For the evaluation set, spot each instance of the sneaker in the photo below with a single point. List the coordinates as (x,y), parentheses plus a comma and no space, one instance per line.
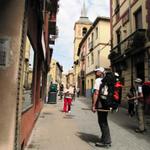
(104,145)
(69,111)
(100,141)
(140,131)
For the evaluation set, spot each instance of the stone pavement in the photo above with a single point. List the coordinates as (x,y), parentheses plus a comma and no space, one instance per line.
(79,130)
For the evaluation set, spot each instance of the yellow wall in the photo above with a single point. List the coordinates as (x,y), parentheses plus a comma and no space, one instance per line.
(126,30)
(77,39)
(52,72)
(55,73)
(70,78)
(100,49)
(88,80)
(129,27)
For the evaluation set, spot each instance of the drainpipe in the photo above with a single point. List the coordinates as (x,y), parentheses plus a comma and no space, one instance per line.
(130,16)
(130,20)
(131,71)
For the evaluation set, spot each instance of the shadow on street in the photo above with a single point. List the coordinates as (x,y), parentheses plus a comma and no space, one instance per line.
(88,138)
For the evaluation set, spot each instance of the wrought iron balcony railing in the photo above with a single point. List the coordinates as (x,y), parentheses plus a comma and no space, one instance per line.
(134,41)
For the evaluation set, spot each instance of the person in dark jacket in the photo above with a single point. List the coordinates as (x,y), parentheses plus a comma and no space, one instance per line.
(130,96)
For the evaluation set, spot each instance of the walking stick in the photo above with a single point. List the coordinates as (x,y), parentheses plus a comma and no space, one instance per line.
(99,109)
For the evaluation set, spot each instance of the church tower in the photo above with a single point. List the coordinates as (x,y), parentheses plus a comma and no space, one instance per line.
(80,29)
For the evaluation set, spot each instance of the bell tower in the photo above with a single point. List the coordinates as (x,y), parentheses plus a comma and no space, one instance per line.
(80,29)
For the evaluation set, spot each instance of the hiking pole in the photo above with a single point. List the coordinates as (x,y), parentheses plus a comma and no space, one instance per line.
(99,109)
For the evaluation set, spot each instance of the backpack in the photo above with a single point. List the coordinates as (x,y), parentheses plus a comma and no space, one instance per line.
(110,91)
(146,92)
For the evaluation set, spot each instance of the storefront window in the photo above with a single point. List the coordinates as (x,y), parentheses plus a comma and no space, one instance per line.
(28,75)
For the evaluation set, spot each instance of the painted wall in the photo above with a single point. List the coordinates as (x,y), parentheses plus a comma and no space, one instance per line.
(77,39)
(126,29)
(89,84)
(11,14)
(100,48)
(129,27)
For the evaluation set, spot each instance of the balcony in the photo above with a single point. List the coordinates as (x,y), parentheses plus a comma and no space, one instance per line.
(52,5)
(132,43)
(117,9)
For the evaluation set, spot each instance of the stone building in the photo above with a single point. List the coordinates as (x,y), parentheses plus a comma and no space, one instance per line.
(93,52)
(70,78)
(130,51)
(55,73)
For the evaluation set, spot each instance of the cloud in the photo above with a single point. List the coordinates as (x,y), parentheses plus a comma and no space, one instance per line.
(69,13)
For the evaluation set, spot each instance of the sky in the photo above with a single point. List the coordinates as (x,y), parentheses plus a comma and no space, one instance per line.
(70,12)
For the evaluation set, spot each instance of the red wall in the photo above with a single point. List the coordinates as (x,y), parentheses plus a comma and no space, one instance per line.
(28,120)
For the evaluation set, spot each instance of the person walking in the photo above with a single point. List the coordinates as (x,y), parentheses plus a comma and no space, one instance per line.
(61,89)
(74,92)
(140,106)
(68,94)
(78,91)
(105,140)
(130,98)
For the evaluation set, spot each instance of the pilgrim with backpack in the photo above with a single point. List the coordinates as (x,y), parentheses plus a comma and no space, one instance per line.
(110,92)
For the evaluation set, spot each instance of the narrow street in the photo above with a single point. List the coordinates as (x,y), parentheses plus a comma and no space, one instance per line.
(79,130)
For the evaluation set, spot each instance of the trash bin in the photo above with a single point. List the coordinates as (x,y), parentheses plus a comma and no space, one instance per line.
(52,97)
(53,88)
(52,94)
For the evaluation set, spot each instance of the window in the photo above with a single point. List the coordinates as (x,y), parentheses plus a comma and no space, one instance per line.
(28,75)
(117,10)
(96,33)
(92,37)
(89,43)
(117,3)
(84,30)
(92,58)
(125,18)
(92,83)
(138,19)
(118,34)
(88,61)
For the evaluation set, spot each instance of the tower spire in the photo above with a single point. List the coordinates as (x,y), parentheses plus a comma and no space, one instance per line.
(84,10)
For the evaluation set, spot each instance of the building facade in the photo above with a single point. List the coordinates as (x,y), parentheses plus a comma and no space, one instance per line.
(55,73)
(24,54)
(70,78)
(80,29)
(64,80)
(93,53)
(130,52)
